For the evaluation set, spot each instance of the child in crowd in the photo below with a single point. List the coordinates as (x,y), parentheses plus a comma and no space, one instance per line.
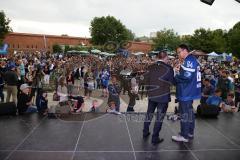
(112,108)
(42,103)
(229,104)
(24,103)
(216,99)
(78,103)
(95,107)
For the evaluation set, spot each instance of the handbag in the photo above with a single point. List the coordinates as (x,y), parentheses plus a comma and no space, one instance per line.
(56,97)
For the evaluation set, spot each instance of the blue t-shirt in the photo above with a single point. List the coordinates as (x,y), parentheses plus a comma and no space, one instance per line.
(214,100)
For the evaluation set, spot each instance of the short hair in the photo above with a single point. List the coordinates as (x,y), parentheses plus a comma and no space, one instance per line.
(206,79)
(184,46)
(218,91)
(162,54)
(231,95)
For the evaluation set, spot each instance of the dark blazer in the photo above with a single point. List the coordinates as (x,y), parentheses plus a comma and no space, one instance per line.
(158,78)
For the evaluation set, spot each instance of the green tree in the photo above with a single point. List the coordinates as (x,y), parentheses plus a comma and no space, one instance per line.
(219,40)
(234,39)
(4,26)
(106,29)
(166,39)
(202,40)
(57,48)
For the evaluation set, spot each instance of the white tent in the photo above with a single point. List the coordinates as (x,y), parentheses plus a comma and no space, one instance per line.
(95,51)
(138,53)
(213,54)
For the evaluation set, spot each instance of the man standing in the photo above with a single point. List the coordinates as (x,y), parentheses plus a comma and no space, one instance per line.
(159,78)
(11,79)
(114,91)
(188,82)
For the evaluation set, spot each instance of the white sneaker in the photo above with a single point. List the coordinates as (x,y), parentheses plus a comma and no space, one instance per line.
(190,135)
(179,139)
(113,111)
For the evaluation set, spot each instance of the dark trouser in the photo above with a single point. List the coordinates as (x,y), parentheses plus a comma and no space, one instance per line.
(1,94)
(187,118)
(161,112)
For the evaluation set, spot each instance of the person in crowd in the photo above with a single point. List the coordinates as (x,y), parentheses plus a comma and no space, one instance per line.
(114,91)
(207,91)
(78,103)
(105,76)
(24,103)
(112,108)
(159,78)
(37,83)
(188,88)
(224,84)
(229,104)
(46,72)
(42,103)
(70,82)
(216,99)
(95,106)
(11,79)
(133,94)
(1,88)
(29,76)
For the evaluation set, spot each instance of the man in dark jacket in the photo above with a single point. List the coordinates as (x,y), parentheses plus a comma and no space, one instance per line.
(159,78)
(11,79)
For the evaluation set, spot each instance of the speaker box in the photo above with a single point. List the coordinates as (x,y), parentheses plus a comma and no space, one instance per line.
(8,108)
(209,2)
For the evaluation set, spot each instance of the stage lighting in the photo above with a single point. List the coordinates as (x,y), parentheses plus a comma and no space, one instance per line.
(209,2)
(238,1)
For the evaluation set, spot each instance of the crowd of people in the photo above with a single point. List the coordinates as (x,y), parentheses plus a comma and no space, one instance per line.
(26,76)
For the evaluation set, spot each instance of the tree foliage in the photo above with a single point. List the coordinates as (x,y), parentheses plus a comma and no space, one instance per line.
(234,39)
(107,29)
(4,26)
(166,39)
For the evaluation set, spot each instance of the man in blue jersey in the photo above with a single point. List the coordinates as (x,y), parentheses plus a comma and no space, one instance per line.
(188,88)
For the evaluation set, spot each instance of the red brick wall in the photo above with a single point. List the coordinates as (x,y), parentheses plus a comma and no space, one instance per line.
(140,47)
(35,42)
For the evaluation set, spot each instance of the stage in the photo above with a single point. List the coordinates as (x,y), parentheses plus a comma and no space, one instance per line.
(110,137)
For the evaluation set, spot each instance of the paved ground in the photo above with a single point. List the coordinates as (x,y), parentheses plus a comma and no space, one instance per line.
(141,105)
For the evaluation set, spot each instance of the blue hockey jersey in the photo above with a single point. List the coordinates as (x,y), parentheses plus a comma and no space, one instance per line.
(188,81)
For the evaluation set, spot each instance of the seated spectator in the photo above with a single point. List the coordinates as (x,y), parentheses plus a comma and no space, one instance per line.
(42,103)
(215,100)
(208,90)
(112,108)
(95,106)
(229,104)
(78,104)
(24,103)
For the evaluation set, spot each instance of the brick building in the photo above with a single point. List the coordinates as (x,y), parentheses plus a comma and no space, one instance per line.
(30,43)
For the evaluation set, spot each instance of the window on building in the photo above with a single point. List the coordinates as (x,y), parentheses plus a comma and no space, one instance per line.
(13,46)
(32,46)
(36,46)
(18,45)
(27,46)
(9,45)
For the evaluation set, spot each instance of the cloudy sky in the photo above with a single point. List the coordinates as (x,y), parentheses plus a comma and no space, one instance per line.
(73,17)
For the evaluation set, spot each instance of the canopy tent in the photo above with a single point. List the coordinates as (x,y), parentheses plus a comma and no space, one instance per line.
(107,54)
(95,51)
(213,54)
(78,52)
(126,72)
(138,53)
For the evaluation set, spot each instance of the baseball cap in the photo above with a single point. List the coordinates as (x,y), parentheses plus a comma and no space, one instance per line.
(24,86)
